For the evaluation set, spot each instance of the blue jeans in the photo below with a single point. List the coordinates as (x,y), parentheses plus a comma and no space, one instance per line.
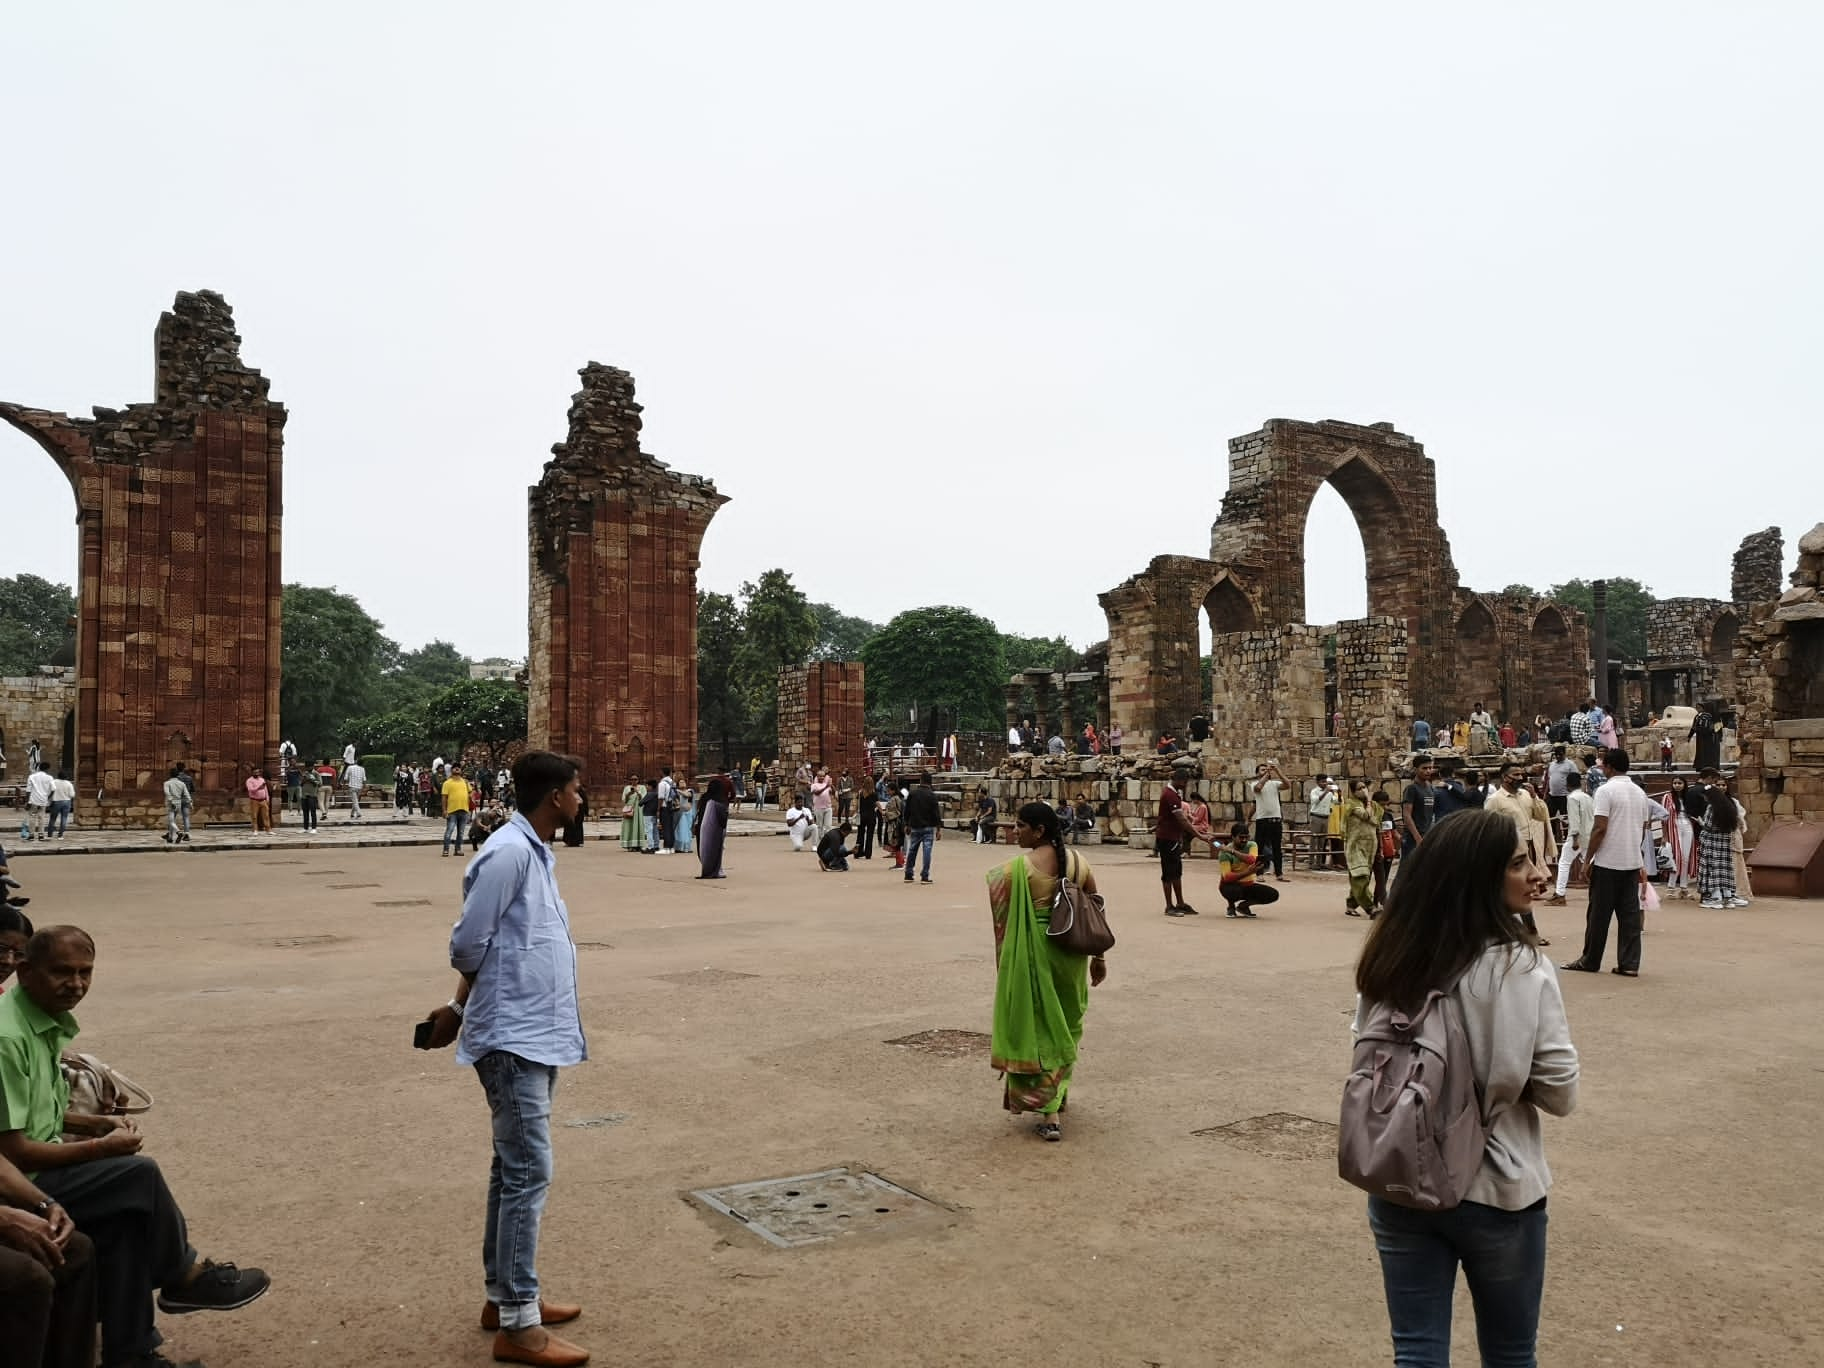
(519,1097)
(453,827)
(60,816)
(916,837)
(1503,1258)
(177,820)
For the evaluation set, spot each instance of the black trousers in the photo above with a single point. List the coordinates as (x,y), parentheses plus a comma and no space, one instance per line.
(1249,894)
(864,831)
(1613,893)
(141,1244)
(1270,836)
(47,1315)
(668,825)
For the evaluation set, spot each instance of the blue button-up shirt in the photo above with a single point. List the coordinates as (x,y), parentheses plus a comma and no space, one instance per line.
(514,937)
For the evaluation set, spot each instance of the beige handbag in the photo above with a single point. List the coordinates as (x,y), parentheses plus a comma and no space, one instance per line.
(98,1090)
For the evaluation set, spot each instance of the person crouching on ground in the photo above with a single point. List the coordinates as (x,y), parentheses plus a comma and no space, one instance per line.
(798,821)
(1453,924)
(1240,862)
(98,1179)
(516,1012)
(833,849)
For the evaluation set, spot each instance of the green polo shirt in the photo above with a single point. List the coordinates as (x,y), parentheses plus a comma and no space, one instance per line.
(33,1093)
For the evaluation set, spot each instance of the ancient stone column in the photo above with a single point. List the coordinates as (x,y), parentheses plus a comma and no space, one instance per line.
(612,672)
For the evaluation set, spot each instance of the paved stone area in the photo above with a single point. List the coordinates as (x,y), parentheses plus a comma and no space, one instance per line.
(738,1031)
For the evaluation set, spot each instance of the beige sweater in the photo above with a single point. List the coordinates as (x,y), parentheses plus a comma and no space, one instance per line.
(1513,1014)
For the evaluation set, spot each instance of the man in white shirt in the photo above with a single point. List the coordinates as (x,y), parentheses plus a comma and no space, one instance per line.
(797,825)
(348,755)
(1269,830)
(668,817)
(1322,799)
(1580,814)
(1013,739)
(38,789)
(1621,823)
(354,774)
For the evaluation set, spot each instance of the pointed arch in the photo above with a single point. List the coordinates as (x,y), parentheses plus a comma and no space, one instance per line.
(1558,678)
(1227,608)
(1478,674)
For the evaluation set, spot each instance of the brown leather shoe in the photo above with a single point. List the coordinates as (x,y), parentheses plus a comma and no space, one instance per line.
(553,1353)
(549,1313)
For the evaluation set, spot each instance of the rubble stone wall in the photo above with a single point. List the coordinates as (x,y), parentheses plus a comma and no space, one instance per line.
(32,707)
(822,716)
(615,536)
(178,507)
(1779,664)
(1759,562)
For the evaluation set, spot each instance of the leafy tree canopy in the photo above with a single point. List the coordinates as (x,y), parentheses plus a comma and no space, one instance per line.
(947,662)
(722,715)
(491,712)
(839,636)
(1628,602)
(1036,653)
(418,676)
(34,622)
(1520,591)
(778,628)
(330,667)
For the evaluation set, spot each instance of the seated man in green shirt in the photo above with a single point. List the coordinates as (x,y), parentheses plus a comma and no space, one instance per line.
(100,1179)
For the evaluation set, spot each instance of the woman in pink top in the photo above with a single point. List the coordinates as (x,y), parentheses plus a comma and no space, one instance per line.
(821,789)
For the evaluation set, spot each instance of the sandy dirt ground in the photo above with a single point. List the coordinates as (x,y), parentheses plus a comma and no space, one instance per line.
(267,997)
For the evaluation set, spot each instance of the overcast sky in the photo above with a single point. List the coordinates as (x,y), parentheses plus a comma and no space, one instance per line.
(958,302)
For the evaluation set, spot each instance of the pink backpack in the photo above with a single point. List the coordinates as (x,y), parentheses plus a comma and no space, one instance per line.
(1412,1130)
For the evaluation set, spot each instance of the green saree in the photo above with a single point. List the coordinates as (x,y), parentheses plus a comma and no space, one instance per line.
(1040,993)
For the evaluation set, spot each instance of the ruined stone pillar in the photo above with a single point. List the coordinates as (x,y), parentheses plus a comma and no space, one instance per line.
(612,672)
(178,616)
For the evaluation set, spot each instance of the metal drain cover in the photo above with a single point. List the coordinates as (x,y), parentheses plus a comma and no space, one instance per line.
(1279,1135)
(813,1207)
(947,1044)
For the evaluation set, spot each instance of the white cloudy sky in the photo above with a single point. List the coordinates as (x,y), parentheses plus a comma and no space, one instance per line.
(959,302)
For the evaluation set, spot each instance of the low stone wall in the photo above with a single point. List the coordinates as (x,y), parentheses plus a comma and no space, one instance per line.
(33,707)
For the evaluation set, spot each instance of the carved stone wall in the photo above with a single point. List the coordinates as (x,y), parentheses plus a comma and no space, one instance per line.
(178,508)
(615,534)
(822,716)
(1755,575)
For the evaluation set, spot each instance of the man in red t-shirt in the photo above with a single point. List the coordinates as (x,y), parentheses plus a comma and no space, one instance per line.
(1170,833)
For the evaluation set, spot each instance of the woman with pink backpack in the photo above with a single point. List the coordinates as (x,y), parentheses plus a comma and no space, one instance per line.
(1459,1016)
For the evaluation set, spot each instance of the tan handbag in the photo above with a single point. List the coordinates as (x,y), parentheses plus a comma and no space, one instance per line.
(1079,920)
(98,1090)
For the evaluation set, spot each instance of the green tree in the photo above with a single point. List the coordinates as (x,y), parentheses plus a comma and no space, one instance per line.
(721,710)
(839,636)
(489,712)
(778,628)
(1036,653)
(1520,591)
(946,662)
(402,734)
(330,667)
(1628,603)
(420,675)
(34,622)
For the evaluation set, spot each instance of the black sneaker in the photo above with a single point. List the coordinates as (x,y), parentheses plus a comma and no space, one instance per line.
(217,1287)
(1173,912)
(1185,909)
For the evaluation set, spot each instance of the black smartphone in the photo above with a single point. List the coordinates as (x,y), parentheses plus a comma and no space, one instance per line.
(421,1035)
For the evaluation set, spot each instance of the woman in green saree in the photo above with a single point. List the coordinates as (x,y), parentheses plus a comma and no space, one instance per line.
(633,793)
(1361,843)
(1041,993)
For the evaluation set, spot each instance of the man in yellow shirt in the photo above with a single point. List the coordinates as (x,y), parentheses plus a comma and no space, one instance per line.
(457,804)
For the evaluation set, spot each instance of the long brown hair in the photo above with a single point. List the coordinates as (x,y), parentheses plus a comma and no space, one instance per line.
(1445,909)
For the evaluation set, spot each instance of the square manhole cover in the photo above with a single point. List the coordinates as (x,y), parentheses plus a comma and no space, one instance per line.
(705,976)
(1279,1135)
(813,1207)
(947,1044)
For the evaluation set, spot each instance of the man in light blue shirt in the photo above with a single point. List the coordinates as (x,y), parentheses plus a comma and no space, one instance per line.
(516,1011)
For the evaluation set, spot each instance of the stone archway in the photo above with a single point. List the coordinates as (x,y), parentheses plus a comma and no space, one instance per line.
(178,507)
(1558,679)
(1719,653)
(1228,609)
(1477,677)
